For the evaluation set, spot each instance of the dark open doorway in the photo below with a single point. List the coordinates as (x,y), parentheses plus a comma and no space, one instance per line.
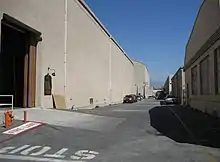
(18,62)
(13,50)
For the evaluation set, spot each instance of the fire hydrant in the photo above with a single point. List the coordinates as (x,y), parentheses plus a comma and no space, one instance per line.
(8,118)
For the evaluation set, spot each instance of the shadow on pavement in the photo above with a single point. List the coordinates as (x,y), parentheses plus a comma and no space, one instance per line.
(202,129)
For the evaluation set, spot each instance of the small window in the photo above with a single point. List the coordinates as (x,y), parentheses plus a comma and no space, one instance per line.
(217,70)
(205,87)
(194,80)
(47,85)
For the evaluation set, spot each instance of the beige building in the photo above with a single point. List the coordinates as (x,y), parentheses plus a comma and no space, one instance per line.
(178,86)
(154,91)
(151,91)
(64,38)
(202,60)
(168,85)
(141,79)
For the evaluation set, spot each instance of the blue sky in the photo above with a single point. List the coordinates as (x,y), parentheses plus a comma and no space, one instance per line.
(154,32)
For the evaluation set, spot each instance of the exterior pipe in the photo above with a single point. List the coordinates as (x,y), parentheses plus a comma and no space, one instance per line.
(65,44)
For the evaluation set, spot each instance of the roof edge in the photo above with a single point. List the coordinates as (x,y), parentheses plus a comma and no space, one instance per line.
(86,7)
(138,62)
(180,68)
(192,30)
(141,63)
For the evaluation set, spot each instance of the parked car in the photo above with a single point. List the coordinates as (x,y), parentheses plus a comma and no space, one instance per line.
(130,99)
(139,98)
(135,97)
(151,97)
(142,97)
(169,99)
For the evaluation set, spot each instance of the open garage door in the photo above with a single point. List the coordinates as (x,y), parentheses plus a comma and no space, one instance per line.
(18,62)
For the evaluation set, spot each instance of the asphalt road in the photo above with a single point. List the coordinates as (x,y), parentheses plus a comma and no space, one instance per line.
(130,137)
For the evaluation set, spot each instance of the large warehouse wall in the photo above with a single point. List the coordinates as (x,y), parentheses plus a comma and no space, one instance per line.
(122,74)
(141,75)
(178,85)
(49,21)
(87,58)
(148,83)
(201,29)
(168,85)
(202,81)
(96,66)
(87,61)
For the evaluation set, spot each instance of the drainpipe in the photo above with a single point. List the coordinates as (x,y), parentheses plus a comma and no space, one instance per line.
(65,44)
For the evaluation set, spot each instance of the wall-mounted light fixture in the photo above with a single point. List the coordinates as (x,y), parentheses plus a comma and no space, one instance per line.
(51,71)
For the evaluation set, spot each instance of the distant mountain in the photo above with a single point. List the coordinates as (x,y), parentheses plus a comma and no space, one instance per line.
(157,84)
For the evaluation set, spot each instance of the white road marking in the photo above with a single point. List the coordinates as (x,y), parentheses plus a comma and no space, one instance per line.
(42,151)
(6,149)
(58,154)
(27,151)
(19,149)
(29,158)
(86,154)
(93,152)
(75,157)
(22,128)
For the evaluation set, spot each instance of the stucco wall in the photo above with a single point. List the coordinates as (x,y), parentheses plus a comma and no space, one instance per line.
(50,23)
(204,102)
(87,58)
(148,83)
(178,85)
(206,24)
(168,84)
(183,88)
(122,74)
(174,86)
(95,66)
(141,75)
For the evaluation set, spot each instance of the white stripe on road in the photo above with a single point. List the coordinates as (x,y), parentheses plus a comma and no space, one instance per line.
(6,149)
(28,158)
(19,149)
(39,150)
(88,155)
(57,154)
(42,151)
(27,151)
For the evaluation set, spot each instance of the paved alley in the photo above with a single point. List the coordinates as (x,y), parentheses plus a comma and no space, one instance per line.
(114,133)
